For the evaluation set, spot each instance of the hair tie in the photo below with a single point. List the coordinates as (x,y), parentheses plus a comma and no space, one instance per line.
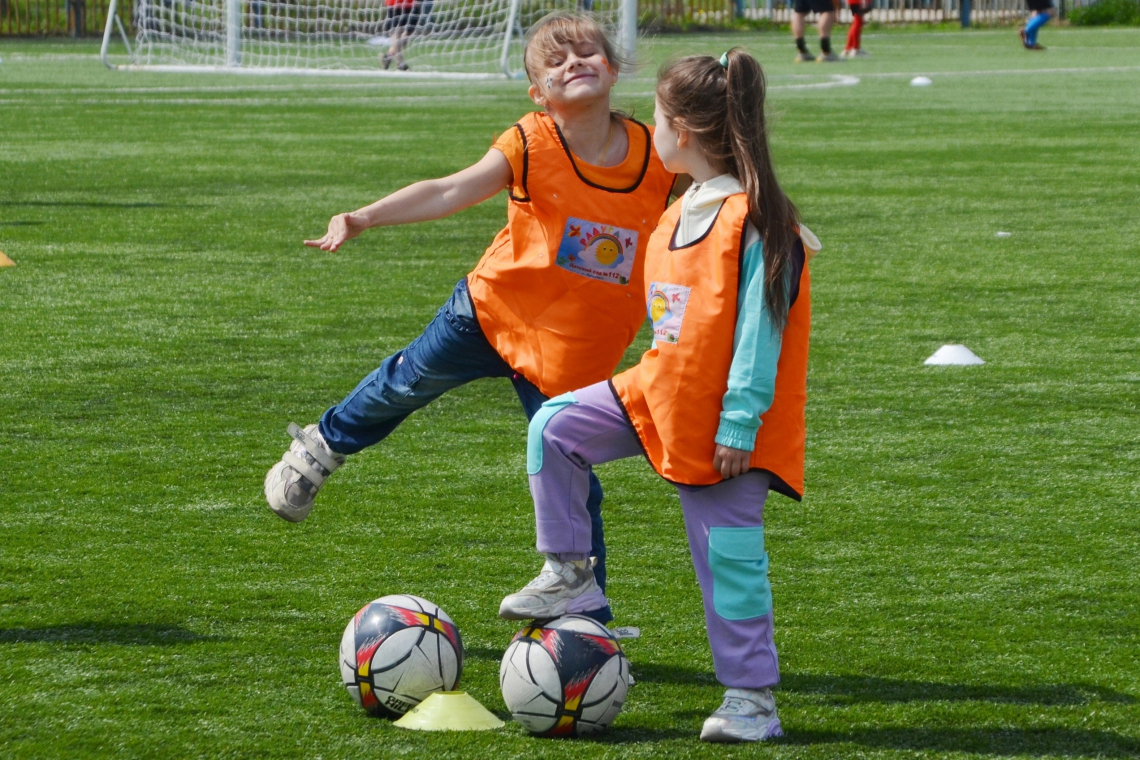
(724,60)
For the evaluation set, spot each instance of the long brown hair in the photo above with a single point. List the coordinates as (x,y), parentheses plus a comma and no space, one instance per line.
(723,108)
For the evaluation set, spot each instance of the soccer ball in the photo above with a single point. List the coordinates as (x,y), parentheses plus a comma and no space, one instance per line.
(565,677)
(396,651)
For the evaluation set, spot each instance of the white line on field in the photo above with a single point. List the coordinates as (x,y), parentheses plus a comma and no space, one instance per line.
(360,100)
(836,80)
(374,85)
(1004,72)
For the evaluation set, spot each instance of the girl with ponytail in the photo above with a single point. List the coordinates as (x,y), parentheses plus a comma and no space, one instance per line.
(717,403)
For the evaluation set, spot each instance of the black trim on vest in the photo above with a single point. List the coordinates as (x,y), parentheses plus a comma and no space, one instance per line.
(525,168)
(644,163)
(797,264)
(676,228)
(740,265)
(629,421)
(776,483)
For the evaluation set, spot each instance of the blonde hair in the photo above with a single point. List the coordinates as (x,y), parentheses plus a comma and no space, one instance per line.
(560,28)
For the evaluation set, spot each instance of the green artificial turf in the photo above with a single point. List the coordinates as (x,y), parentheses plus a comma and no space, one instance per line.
(960,580)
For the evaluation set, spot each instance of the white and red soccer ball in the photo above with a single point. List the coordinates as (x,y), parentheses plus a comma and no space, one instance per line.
(564,677)
(396,651)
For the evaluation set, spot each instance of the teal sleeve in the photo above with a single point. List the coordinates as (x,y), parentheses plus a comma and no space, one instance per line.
(755,352)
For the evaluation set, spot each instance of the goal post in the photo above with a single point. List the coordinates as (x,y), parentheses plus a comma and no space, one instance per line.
(441,38)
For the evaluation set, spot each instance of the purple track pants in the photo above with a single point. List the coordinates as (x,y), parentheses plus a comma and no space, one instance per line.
(724,522)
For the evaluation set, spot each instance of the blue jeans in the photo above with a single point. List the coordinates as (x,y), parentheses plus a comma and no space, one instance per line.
(451,351)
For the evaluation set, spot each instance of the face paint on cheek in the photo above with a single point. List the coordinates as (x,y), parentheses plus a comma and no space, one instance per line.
(549,82)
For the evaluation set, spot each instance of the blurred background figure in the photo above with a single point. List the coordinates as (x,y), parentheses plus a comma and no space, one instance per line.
(859,10)
(1043,10)
(826,10)
(399,24)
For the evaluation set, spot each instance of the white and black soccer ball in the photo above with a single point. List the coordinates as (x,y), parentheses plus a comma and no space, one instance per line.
(396,651)
(565,677)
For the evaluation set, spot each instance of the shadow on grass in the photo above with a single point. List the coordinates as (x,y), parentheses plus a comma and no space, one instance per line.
(636,735)
(1053,742)
(854,689)
(136,634)
(20,224)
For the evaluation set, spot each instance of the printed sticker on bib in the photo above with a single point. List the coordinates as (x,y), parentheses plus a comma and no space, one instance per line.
(598,251)
(666,306)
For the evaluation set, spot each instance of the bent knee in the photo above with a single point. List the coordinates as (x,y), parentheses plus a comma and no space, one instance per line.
(542,427)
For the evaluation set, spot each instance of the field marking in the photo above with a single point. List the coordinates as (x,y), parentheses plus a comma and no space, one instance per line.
(1001,72)
(26,96)
(837,80)
(230,88)
(405,99)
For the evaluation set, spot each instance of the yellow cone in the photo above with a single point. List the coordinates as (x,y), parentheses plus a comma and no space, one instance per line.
(5,261)
(449,711)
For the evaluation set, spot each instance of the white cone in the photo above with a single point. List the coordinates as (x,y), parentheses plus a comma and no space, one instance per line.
(921,82)
(955,354)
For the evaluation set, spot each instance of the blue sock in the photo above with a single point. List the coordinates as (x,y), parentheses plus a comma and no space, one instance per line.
(1035,23)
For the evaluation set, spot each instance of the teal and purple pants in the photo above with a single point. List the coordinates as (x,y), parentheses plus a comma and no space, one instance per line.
(725,526)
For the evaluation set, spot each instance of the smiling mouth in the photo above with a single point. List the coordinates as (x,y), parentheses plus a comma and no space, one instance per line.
(576,77)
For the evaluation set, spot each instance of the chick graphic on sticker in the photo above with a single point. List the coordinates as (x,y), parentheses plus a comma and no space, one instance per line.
(598,251)
(666,306)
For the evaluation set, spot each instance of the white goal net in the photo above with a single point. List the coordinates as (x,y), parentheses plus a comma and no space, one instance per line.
(464,37)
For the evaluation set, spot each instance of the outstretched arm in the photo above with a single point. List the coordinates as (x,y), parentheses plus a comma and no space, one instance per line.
(422,201)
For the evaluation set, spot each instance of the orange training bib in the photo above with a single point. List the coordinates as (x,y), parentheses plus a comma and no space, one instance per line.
(674,396)
(558,293)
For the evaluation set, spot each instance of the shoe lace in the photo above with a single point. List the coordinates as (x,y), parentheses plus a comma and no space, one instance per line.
(741,705)
(545,578)
(736,706)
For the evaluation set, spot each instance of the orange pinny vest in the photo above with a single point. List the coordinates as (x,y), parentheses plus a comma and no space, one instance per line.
(558,293)
(674,396)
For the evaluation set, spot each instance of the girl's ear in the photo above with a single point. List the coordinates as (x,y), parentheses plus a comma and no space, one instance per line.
(683,137)
(536,95)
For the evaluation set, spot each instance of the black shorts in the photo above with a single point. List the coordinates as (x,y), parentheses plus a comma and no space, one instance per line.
(401,17)
(1038,5)
(815,6)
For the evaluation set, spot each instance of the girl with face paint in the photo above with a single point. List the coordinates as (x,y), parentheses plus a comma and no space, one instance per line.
(556,298)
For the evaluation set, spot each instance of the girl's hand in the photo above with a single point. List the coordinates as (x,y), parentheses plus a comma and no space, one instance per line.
(342,227)
(730,462)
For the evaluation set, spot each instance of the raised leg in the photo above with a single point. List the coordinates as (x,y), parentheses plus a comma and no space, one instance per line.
(452,351)
(568,435)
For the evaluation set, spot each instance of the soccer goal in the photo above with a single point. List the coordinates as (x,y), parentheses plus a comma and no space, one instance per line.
(442,38)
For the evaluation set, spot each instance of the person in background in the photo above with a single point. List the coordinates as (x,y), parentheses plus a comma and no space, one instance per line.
(827,12)
(859,10)
(400,22)
(1043,10)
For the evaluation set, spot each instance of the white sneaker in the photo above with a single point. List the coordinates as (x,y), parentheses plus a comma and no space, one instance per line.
(560,589)
(292,484)
(856,53)
(746,715)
